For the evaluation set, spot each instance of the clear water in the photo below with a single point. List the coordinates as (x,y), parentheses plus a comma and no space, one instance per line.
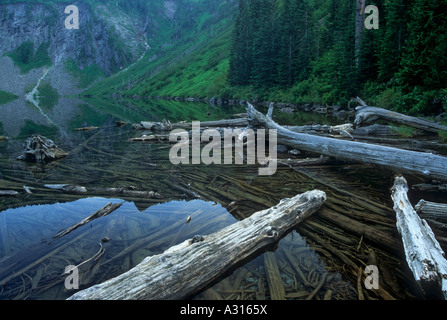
(32,262)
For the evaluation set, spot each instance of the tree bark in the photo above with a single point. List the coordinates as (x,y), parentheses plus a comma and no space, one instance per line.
(404,161)
(191,266)
(423,253)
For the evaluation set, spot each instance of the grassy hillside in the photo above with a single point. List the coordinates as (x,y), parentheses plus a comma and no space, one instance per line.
(191,61)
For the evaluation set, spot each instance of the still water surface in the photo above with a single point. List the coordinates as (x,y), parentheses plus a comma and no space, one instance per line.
(32,262)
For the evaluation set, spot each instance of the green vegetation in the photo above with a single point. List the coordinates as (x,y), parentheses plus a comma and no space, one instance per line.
(306,51)
(86,76)
(27,59)
(442,135)
(299,51)
(404,131)
(48,96)
(6,97)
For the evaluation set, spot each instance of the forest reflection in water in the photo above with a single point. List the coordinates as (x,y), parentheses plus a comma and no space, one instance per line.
(322,259)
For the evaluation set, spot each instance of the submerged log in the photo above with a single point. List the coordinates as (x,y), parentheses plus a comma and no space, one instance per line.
(42,150)
(367,114)
(424,255)
(187,268)
(432,210)
(106,210)
(420,163)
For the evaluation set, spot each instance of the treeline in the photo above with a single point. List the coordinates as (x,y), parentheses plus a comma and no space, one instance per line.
(320,51)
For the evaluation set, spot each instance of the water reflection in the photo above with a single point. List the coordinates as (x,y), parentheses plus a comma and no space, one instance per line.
(31,262)
(29,249)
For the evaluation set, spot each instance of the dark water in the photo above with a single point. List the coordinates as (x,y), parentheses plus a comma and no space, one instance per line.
(32,261)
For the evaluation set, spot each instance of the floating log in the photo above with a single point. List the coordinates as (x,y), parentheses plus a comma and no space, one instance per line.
(366,115)
(304,162)
(420,163)
(240,122)
(163,126)
(151,137)
(42,150)
(66,188)
(432,210)
(187,268)
(423,253)
(128,191)
(8,193)
(86,129)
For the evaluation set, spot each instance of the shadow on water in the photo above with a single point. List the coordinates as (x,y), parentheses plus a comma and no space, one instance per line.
(321,259)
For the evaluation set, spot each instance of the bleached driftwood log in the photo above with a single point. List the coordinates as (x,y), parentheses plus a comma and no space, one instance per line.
(189,267)
(42,150)
(432,210)
(425,164)
(423,253)
(366,115)
(240,122)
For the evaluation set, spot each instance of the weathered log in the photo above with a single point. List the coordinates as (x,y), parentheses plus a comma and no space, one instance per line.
(276,288)
(374,130)
(240,122)
(187,268)
(432,210)
(8,193)
(86,128)
(430,187)
(129,191)
(424,255)
(163,126)
(42,150)
(425,164)
(366,115)
(106,210)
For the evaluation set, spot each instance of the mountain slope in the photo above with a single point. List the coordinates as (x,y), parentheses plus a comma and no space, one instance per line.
(187,58)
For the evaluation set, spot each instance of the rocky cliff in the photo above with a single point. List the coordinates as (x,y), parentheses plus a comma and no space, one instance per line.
(106,37)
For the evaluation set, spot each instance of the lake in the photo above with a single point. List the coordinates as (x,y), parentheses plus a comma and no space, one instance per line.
(313,261)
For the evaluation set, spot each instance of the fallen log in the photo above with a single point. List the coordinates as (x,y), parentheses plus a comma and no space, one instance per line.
(424,255)
(187,268)
(240,122)
(395,159)
(432,210)
(127,191)
(430,187)
(106,210)
(8,193)
(164,126)
(367,115)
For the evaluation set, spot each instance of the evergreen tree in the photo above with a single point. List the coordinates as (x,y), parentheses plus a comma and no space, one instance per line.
(241,59)
(424,60)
